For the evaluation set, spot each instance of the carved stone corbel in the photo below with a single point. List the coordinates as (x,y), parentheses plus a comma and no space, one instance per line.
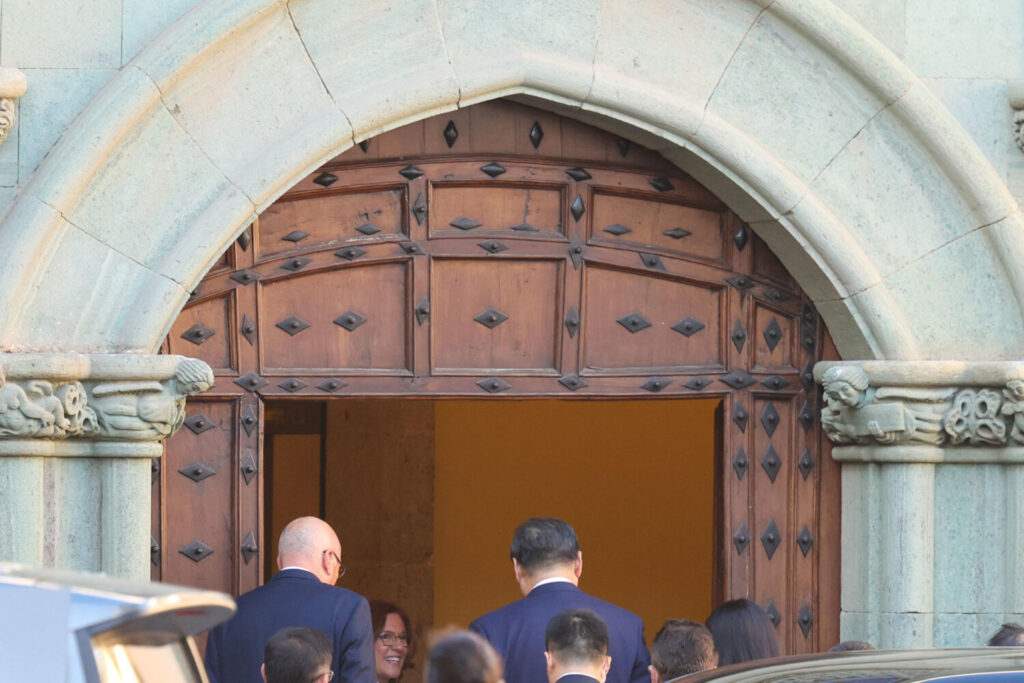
(928,411)
(12,86)
(94,405)
(1015,92)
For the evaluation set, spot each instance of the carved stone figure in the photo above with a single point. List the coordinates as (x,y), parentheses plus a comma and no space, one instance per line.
(1018,125)
(39,410)
(845,389)
(857,413)
(1013,406)
(7,117)
(145,410)
(975,418)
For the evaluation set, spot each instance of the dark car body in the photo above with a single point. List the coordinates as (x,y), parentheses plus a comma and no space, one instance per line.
(969,665)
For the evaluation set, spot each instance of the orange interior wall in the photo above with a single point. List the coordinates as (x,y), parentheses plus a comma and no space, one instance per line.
(294,488)
(635,478)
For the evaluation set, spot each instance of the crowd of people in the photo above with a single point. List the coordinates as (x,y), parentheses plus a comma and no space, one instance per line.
(300,628)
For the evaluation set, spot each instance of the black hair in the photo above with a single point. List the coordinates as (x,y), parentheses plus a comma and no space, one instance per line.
(295,655)
(541,542)
(463,657)
(1009,634)
(683,647)
(851,646)
(742,632)
(576,636)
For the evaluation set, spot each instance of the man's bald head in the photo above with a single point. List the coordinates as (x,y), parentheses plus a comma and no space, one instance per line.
(310,543)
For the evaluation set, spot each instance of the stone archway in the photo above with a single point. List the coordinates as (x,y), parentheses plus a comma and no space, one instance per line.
(880,205)
(805,125)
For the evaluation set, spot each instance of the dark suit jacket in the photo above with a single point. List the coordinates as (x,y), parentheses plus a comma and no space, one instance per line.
(517,632)
(294,597)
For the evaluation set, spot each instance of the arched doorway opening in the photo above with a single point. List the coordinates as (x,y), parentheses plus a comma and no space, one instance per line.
(505,252)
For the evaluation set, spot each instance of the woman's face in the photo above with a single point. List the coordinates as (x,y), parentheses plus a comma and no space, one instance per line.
(391,655)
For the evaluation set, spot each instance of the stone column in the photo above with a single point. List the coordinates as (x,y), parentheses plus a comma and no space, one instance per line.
(77,437)
(932,457)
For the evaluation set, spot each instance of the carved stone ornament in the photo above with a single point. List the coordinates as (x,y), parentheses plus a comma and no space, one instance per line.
(94,405)
(924,411)
(12,86)
(1015,93)
(1018,128)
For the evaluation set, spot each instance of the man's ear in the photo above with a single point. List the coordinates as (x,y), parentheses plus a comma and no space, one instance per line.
(325,566)
(604,667)
(655,676)
(577,565)
(517,569)
(550,660)
(263,672)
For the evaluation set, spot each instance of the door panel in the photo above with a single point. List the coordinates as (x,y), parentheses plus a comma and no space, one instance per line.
(636,323)
(499,210)
(204,331)
(774,339)
(351,318)
(199,538)
(491,316)
(650,224)
(502,251)
(369,215)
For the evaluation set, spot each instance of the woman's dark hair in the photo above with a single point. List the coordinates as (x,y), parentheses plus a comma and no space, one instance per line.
(379,611)
(742,632)
(463,657)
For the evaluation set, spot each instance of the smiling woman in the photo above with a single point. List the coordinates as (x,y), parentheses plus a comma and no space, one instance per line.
(394,645)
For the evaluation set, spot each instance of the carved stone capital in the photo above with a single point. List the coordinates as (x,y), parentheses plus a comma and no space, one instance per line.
(924,411)
(102,405)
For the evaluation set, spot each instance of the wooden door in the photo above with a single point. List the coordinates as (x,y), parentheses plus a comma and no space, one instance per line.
(502,251)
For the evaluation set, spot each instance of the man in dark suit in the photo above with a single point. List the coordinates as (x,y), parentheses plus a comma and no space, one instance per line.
(302,593)
(576,647)
(547,562)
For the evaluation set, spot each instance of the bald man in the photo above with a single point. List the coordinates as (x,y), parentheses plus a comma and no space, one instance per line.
(302,593)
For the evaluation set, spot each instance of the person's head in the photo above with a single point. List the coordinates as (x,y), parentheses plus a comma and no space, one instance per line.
(681,647)
(576,640)
(844,385)
(742,632)
(297,655)
(1008,635)
(543,547)
(463,657)
(393,645)
(851,646)
(311,543)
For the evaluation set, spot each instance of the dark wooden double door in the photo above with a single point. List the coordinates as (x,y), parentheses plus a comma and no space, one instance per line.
(502,251)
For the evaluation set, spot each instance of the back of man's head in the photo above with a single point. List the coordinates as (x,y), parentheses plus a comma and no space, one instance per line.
(1008,635)
(297,655)
(543,542)
(463,657)
(682,647)
(310,543)
(576,640)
